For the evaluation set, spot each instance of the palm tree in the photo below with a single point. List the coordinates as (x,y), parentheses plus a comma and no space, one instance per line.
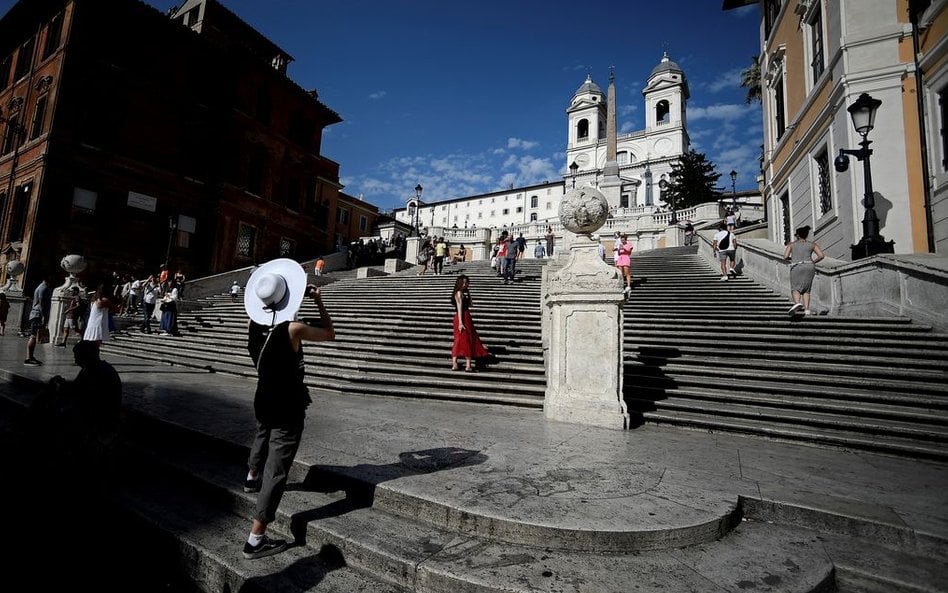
(750,79)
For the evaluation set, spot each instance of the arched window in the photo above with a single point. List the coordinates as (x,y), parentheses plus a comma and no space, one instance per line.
(582,129)
(662,112)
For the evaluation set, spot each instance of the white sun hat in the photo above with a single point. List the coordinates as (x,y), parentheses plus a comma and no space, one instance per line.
(275,291)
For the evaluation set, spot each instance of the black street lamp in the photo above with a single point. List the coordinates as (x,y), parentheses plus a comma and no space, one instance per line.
(172,227)
(863,114)
(733,190)
(664,185)
(414,210)
(572,170)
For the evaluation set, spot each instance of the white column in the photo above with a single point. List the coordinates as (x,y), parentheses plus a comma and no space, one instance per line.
(585,367)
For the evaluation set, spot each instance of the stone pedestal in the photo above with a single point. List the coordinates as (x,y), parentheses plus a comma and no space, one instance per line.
(584,370)
(412,245)
(673,236)
(61,297)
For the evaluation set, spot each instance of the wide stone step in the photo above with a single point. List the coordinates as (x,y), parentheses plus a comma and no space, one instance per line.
(925,410)
(808,369)
(796,353)
(811,435)
(934,433)
(685,371)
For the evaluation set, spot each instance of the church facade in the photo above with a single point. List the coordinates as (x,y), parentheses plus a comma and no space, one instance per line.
(626,168)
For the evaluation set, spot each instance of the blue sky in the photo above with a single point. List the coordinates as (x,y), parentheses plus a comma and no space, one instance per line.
(468,97)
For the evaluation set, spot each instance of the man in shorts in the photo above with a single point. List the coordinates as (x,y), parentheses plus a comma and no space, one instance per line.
(69,315)
(39,317)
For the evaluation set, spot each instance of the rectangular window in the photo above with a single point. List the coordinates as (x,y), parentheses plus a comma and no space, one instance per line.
(785,215)
(5,66)
(549,205)
(780,121)
(342,216)
(13,130)
(823,181)
(54,33)
(21,205)
(24,59)
(534,201)
(816,43)
(519,209)
(246,240)
(287,247)
(84,200)
(363,223)
(506,211)
(943,108)
(294,194)
(771,12)
(256,170)
(39,118)
(479,215)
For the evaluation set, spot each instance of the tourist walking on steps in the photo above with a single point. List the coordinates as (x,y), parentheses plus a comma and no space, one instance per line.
(802,255)
(624,261)
(39,317)
(467,344)
(275,339)
(97,328)
(550,236)
(70,314)
(724,248)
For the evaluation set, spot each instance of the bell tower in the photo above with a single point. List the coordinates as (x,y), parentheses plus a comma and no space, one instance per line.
(587,116)
(666,97)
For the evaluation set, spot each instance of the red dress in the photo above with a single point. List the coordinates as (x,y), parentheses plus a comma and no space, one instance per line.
(467,344)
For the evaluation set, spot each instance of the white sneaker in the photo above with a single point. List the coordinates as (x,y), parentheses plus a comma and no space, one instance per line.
(795,307)
(724,277)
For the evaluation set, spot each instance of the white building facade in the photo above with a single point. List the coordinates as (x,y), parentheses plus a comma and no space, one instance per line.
(644,157)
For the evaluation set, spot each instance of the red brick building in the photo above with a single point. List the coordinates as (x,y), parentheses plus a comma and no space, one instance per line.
(130,136)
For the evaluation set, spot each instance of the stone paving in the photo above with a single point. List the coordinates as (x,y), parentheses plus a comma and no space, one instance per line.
(529,480)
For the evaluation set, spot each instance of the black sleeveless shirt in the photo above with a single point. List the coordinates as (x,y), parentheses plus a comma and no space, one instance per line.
(281,397)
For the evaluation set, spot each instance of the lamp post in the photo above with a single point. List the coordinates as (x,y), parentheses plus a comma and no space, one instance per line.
(733,190)
(664,185)
(572,170)
(417,206)
(172,227)
(863,114)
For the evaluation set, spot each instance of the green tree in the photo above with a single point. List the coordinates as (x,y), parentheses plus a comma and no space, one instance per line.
(693,181)
(750,80)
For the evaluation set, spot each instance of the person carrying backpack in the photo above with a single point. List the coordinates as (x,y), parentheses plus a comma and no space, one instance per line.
(725,247)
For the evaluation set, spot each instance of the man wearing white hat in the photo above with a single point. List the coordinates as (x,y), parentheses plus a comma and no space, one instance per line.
(272,297)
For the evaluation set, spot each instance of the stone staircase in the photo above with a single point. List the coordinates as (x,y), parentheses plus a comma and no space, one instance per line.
(716,355)
(700,353)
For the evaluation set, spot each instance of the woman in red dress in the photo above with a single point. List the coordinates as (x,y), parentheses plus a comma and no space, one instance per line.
(467,344)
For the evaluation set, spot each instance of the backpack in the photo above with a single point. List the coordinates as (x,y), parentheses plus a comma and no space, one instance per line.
(724,243)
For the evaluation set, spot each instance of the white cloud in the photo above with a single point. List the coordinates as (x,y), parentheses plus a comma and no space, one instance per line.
(378,95)
(521,144)
(724,112)
(728,80)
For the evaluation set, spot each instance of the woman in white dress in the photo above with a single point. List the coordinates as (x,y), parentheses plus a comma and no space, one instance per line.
(97,328)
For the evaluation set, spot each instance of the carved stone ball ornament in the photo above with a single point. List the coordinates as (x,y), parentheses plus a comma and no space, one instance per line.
(15,268)
(73,264)
(583,210)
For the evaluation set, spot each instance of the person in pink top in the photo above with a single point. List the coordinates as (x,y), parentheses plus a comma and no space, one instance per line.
(623,261)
